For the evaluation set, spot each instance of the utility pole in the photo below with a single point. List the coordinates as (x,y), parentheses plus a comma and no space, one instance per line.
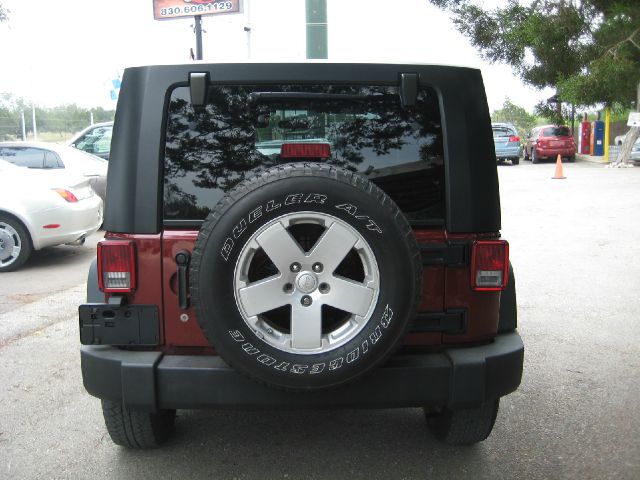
(24,127)
(247,28)
(317,38)
(198,30)
(33,118)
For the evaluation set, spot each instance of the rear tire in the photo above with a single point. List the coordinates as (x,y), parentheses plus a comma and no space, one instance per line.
(464,427)
(15,243)
(515,161)
(534,156)
(137,429)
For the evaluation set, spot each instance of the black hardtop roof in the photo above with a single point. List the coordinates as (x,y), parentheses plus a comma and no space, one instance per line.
(134,195)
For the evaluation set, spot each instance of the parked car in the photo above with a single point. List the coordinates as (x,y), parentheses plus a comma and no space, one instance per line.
(41,209)
(635,151)
(506,142)
(549,141)
(95,139)
(331,239)
(50,156)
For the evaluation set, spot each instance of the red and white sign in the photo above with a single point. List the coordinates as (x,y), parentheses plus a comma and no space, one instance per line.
(164,9)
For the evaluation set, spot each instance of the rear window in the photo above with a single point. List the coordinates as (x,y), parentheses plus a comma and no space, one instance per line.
(242,129)
(556,132)
(23,156)
(503,131)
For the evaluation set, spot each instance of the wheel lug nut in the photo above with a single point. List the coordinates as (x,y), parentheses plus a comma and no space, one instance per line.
(295,267)
(317,267)
(306,300)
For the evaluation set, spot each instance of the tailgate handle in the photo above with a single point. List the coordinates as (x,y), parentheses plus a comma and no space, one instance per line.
(182,260)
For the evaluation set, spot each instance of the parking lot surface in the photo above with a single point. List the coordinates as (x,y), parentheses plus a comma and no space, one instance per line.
(574,247)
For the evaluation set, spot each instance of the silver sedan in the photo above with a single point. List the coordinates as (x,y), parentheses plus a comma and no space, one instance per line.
(51,156)
(43,208)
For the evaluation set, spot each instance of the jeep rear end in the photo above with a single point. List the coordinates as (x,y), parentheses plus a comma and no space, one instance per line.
(301,235)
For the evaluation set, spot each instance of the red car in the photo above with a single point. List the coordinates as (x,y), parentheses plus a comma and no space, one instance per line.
(549,141)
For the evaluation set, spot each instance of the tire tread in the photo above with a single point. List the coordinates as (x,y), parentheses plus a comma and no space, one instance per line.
(137,429)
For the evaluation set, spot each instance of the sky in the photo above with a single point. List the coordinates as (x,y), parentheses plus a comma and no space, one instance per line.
(68,51)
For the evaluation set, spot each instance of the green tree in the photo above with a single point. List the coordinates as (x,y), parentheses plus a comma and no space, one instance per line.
(588,50)
(62,119)
(516,115)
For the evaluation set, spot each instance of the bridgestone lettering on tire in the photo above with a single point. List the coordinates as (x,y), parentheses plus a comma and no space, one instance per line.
(305,277)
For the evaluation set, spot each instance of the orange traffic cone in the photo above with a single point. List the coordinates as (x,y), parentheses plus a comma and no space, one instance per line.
(559,172)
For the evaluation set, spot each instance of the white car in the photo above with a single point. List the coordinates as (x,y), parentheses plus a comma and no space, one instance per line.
(51,156)
(95,139)
(619,140)
(40,208)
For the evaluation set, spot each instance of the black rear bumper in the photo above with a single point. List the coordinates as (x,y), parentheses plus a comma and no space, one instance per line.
(457,378)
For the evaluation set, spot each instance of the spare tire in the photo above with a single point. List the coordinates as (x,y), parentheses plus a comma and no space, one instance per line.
(305,277)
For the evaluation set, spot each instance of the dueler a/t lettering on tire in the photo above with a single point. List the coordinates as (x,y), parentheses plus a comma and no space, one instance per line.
(305,277)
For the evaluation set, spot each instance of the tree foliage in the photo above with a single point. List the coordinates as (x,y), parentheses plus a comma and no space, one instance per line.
(64,119)
(515,115)
(588,50)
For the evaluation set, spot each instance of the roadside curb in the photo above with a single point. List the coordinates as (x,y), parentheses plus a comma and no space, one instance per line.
(591,159)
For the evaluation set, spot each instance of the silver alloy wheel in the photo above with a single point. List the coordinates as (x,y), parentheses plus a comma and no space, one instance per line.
(10,244)
(305,282)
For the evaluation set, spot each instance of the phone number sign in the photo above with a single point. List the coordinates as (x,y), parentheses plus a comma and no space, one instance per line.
(163,9)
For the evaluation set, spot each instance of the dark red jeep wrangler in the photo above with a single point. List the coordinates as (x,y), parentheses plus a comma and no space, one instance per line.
(309,235)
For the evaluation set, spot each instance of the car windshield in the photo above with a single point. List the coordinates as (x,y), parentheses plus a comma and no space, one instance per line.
(556,132)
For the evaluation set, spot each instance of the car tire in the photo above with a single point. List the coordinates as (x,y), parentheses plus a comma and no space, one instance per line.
(466,426)
(571,158)
(305,277)
(137,429)
(15,243)
(534,156)
(515,161)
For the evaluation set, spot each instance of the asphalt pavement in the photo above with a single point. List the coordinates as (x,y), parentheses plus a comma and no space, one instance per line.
(574,247)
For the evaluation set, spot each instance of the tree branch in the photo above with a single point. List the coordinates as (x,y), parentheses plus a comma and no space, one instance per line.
(613,50)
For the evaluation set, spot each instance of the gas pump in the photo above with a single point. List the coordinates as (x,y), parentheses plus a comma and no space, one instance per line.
(597,135)
(584,146)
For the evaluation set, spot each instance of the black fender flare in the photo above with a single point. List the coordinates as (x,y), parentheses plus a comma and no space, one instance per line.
(94,295)
(508,319)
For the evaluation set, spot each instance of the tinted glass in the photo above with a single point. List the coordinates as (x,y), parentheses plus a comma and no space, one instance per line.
(96,141)
(23,156)
(241,131)
(556,132)
(503,131)
(52,160)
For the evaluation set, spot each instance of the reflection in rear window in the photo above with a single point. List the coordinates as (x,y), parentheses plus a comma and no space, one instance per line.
(556,132)
(244,129)
(503,131)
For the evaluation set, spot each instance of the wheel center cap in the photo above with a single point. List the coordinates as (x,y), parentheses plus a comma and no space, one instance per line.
(306,282)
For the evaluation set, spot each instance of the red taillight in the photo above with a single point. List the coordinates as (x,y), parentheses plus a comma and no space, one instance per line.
(489,265)
(514,138)
(305,150)
(66,194)
(116,266)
